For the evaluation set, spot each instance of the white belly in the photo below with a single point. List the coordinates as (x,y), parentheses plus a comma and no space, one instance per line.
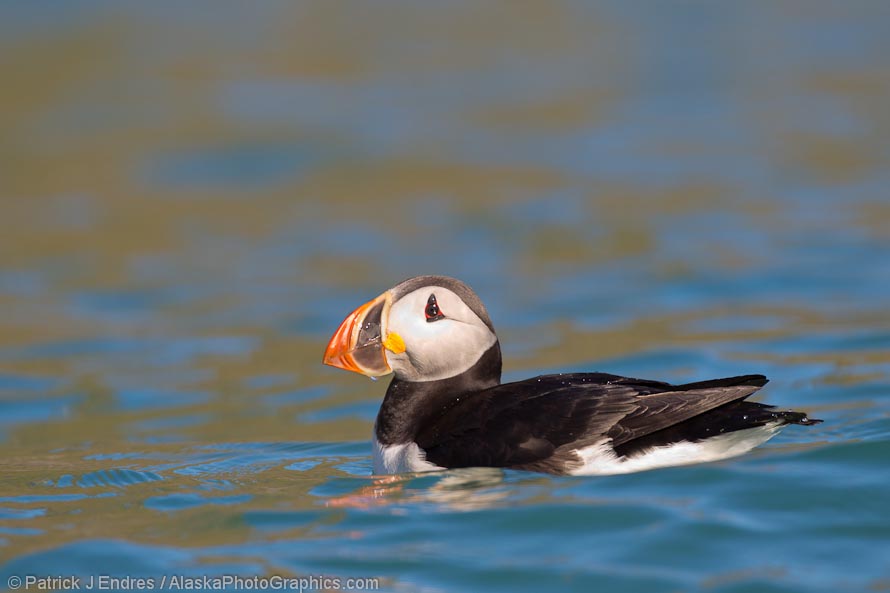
(600,459)
(400,459)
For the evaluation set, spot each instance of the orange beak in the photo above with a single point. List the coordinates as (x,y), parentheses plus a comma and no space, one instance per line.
(357,345)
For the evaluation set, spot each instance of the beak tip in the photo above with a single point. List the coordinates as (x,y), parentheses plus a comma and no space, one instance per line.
(336,358)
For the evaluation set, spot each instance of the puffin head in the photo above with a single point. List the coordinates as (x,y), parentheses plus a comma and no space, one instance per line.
(427,328)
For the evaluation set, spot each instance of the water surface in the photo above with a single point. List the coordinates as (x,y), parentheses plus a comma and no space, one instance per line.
(193,199)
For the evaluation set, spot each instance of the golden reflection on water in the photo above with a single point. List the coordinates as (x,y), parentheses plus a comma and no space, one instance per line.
(89,111)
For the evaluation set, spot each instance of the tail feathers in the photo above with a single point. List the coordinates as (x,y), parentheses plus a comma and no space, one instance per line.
(792,417)
(765,412)
(755,414)
(752,380)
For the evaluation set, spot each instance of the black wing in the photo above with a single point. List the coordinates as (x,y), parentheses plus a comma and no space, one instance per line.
(536,424)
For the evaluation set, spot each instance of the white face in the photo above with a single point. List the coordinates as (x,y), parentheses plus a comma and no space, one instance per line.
(435,349)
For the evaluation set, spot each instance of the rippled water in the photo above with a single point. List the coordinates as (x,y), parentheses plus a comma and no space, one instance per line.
(193,199)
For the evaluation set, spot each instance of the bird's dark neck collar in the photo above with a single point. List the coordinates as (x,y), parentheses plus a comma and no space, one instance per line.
(409,404)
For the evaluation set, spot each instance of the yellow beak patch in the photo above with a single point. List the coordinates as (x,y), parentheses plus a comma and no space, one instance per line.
(394,343)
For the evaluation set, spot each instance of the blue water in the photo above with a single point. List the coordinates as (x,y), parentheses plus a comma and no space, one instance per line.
(194,199)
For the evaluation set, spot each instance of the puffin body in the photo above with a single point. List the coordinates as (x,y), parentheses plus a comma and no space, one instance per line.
(447,408)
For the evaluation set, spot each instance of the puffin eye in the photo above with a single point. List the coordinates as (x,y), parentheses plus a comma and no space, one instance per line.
(432,311)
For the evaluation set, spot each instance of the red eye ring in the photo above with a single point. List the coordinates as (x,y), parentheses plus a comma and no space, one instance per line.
(432,311)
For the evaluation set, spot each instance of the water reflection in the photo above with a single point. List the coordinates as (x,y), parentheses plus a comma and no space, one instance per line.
(468,489)
(191,199)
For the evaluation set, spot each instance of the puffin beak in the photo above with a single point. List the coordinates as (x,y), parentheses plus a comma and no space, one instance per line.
(357,345)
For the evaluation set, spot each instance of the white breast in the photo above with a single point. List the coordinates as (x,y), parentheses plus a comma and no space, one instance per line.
(600,459)
(400,459)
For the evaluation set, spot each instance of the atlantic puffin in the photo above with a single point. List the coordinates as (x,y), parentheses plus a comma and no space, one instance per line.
(447,408)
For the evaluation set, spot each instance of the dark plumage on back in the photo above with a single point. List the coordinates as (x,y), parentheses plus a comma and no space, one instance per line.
(536,424)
